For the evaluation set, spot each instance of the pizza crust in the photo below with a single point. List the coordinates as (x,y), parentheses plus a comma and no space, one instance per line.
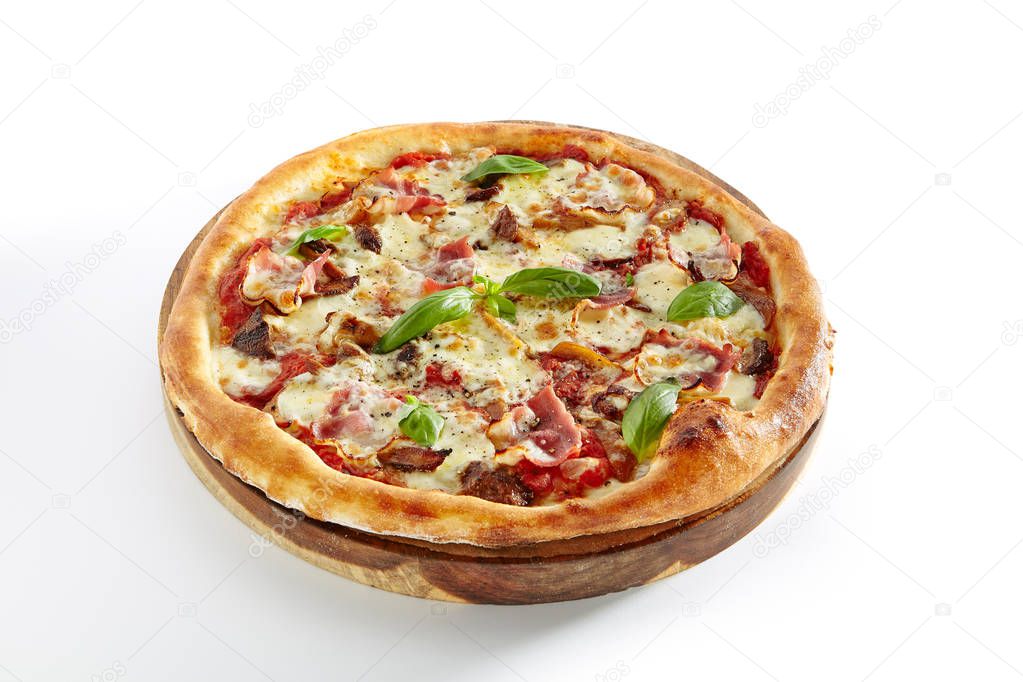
(709,451)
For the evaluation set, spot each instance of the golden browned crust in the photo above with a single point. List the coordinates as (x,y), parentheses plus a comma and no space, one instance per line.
(709,452)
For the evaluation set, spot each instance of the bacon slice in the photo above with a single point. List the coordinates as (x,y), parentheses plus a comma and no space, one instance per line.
(542,431)
(301,210)
(613,298)
(408,457)
(745,289)
(483,193)
(506,225)
(254,337)
(496,485)
(756,359)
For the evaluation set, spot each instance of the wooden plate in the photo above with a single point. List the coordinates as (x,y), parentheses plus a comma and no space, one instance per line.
(546,572)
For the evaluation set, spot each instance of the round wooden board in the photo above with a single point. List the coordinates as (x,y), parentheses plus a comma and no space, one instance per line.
(546,572)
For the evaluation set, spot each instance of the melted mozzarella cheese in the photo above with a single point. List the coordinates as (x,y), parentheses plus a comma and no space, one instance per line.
(739,390)
(657,363)
(612,188)
(402,239)
(492,364)
(501,260)
(303,400)
(464,434)
(542,323)
(306,397)
(742,326)
(239,374)
(603,242)
(697,236)
(657,285)
(463,220)
(536,192)
(443,176)
(300,329)
(494,359)
(618,329)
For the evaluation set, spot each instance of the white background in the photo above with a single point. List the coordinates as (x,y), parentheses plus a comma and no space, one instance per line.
(897,556)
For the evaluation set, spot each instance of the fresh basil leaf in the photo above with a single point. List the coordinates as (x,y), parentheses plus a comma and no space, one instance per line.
(420,422)
(703,299)
(552,283)
(646,415)
(437,308)
(328,232)
(502,164)
(499,306)
(629,279)
(490,287)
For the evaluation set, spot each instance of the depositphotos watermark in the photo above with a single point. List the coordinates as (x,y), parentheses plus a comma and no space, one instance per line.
(55,289)
(814,72)
(816,502)
(288,519)
(308,73)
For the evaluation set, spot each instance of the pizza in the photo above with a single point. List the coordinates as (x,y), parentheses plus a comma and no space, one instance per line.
(495,334)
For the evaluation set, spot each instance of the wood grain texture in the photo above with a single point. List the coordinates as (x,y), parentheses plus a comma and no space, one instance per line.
(546,572)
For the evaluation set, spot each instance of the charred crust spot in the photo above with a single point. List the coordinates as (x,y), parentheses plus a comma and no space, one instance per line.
(368,238)
(687,436)
(500,485)
(716,423)
(254,337)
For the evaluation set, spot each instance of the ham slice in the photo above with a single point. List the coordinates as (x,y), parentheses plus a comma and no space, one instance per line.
(347,416)
(690,360)
(281,280)
(391,193)
(542,431)
(556,432)
(454,266)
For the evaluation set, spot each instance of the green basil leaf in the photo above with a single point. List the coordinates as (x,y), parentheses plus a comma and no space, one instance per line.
(552,283)
(328,232)
(646,415)
(499,306)
(629,279)
(490,287)
(420,422)
(703,299)
(502,164)
(437,308)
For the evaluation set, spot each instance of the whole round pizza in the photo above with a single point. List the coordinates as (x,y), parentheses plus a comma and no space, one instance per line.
(496,334)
